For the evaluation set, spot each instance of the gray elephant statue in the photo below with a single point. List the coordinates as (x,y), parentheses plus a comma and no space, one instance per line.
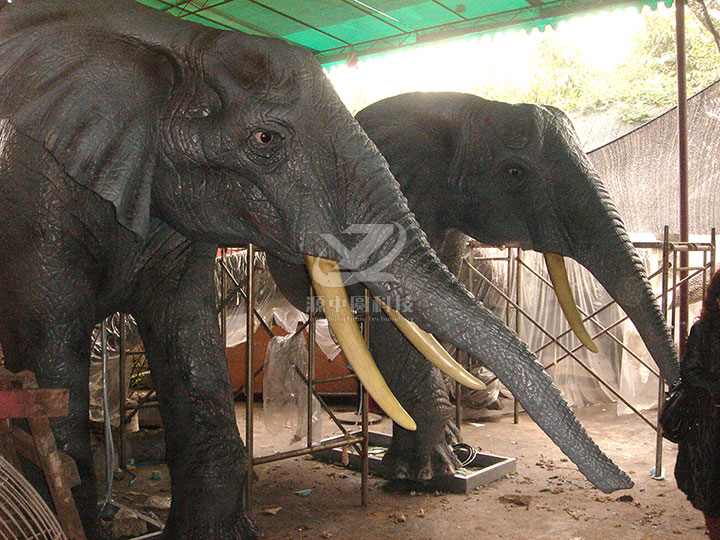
(132,145)
(504,175)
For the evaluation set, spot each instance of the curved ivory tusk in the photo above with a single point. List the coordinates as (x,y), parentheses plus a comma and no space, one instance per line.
(431,349)
(327,281)
(558,275)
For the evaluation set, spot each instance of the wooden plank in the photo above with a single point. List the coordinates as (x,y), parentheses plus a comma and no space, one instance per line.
(53,466)
(55,477)
(7,448)
(34,403)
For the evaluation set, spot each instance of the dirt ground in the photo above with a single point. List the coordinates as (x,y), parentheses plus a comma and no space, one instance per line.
(547,497)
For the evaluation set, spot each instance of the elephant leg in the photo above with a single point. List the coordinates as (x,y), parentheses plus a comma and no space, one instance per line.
(420,388)
(48,332)
(207,460)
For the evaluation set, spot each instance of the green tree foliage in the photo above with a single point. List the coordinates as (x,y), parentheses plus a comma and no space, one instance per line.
(555,72)
(644,85)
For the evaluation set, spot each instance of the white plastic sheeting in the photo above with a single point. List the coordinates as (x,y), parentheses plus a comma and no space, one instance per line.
(284,390)
(270,304)
(613,364)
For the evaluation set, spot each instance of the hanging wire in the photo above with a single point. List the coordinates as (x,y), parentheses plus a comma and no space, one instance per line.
(109,446)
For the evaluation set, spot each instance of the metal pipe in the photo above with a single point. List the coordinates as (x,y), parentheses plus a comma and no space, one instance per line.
(713,252)
(250,330)
(335,379)
(682,161)
(365,408)
(658,470)
(109,447)
(518,311)
(122,443)
(310,376)
(343,440)
(458,408)
(223,298)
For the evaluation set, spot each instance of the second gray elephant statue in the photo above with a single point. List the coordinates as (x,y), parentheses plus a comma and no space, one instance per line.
(504,175)
(132,144)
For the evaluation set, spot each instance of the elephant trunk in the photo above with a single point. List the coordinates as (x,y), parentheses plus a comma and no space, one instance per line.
(430,295)
(405,272)
(607,252)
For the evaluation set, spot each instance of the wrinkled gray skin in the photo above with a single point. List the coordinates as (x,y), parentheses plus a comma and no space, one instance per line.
(132,145)
(504,175)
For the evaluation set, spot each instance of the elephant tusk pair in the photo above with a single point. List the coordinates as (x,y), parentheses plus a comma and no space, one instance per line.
(558,275)
(328,285)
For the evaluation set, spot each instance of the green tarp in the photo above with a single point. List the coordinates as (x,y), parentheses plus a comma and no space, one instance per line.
(337,29)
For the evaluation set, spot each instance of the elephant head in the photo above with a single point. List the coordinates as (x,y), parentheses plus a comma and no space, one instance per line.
(231,139)
(515,175)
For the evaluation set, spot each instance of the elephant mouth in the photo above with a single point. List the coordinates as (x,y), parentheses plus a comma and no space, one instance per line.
(328,284)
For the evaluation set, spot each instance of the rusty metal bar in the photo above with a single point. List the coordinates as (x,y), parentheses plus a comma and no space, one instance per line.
(365,413)
(250,330)
(327,445)
(310,375)
(518,303)
(122,406)
(682,161)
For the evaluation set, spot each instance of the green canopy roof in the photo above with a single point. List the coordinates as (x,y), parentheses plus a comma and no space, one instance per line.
(336,29)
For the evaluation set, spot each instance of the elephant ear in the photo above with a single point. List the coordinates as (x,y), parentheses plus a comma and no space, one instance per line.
(96,105)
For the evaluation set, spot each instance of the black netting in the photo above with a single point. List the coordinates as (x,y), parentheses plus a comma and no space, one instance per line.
(640,169)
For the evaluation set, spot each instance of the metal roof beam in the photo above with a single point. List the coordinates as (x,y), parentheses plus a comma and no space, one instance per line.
(207,20)
(298,21)
(547,10)
(449,9)
(373,13)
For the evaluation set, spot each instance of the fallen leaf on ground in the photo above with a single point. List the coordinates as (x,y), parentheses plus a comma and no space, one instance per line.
(272,511)
(517,500)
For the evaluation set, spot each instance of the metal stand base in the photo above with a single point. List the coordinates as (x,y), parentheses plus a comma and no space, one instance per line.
(482,470)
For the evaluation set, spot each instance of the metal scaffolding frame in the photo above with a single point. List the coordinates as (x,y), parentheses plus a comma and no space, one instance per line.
(357,439)
(674,275)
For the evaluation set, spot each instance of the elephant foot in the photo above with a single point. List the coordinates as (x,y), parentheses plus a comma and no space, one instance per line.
(204,527)
(412,456)
(210,508)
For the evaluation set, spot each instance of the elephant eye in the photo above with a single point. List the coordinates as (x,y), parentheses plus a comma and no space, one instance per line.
(264,145)
(264,137)
(515,172)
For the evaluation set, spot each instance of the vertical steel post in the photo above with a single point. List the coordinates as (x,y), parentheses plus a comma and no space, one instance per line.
(658,473)
(365,407)
(518,301)
(712,252)
(458,408)
(250,330)
(310,371)
(683,164)
(223,292)
(122,443)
